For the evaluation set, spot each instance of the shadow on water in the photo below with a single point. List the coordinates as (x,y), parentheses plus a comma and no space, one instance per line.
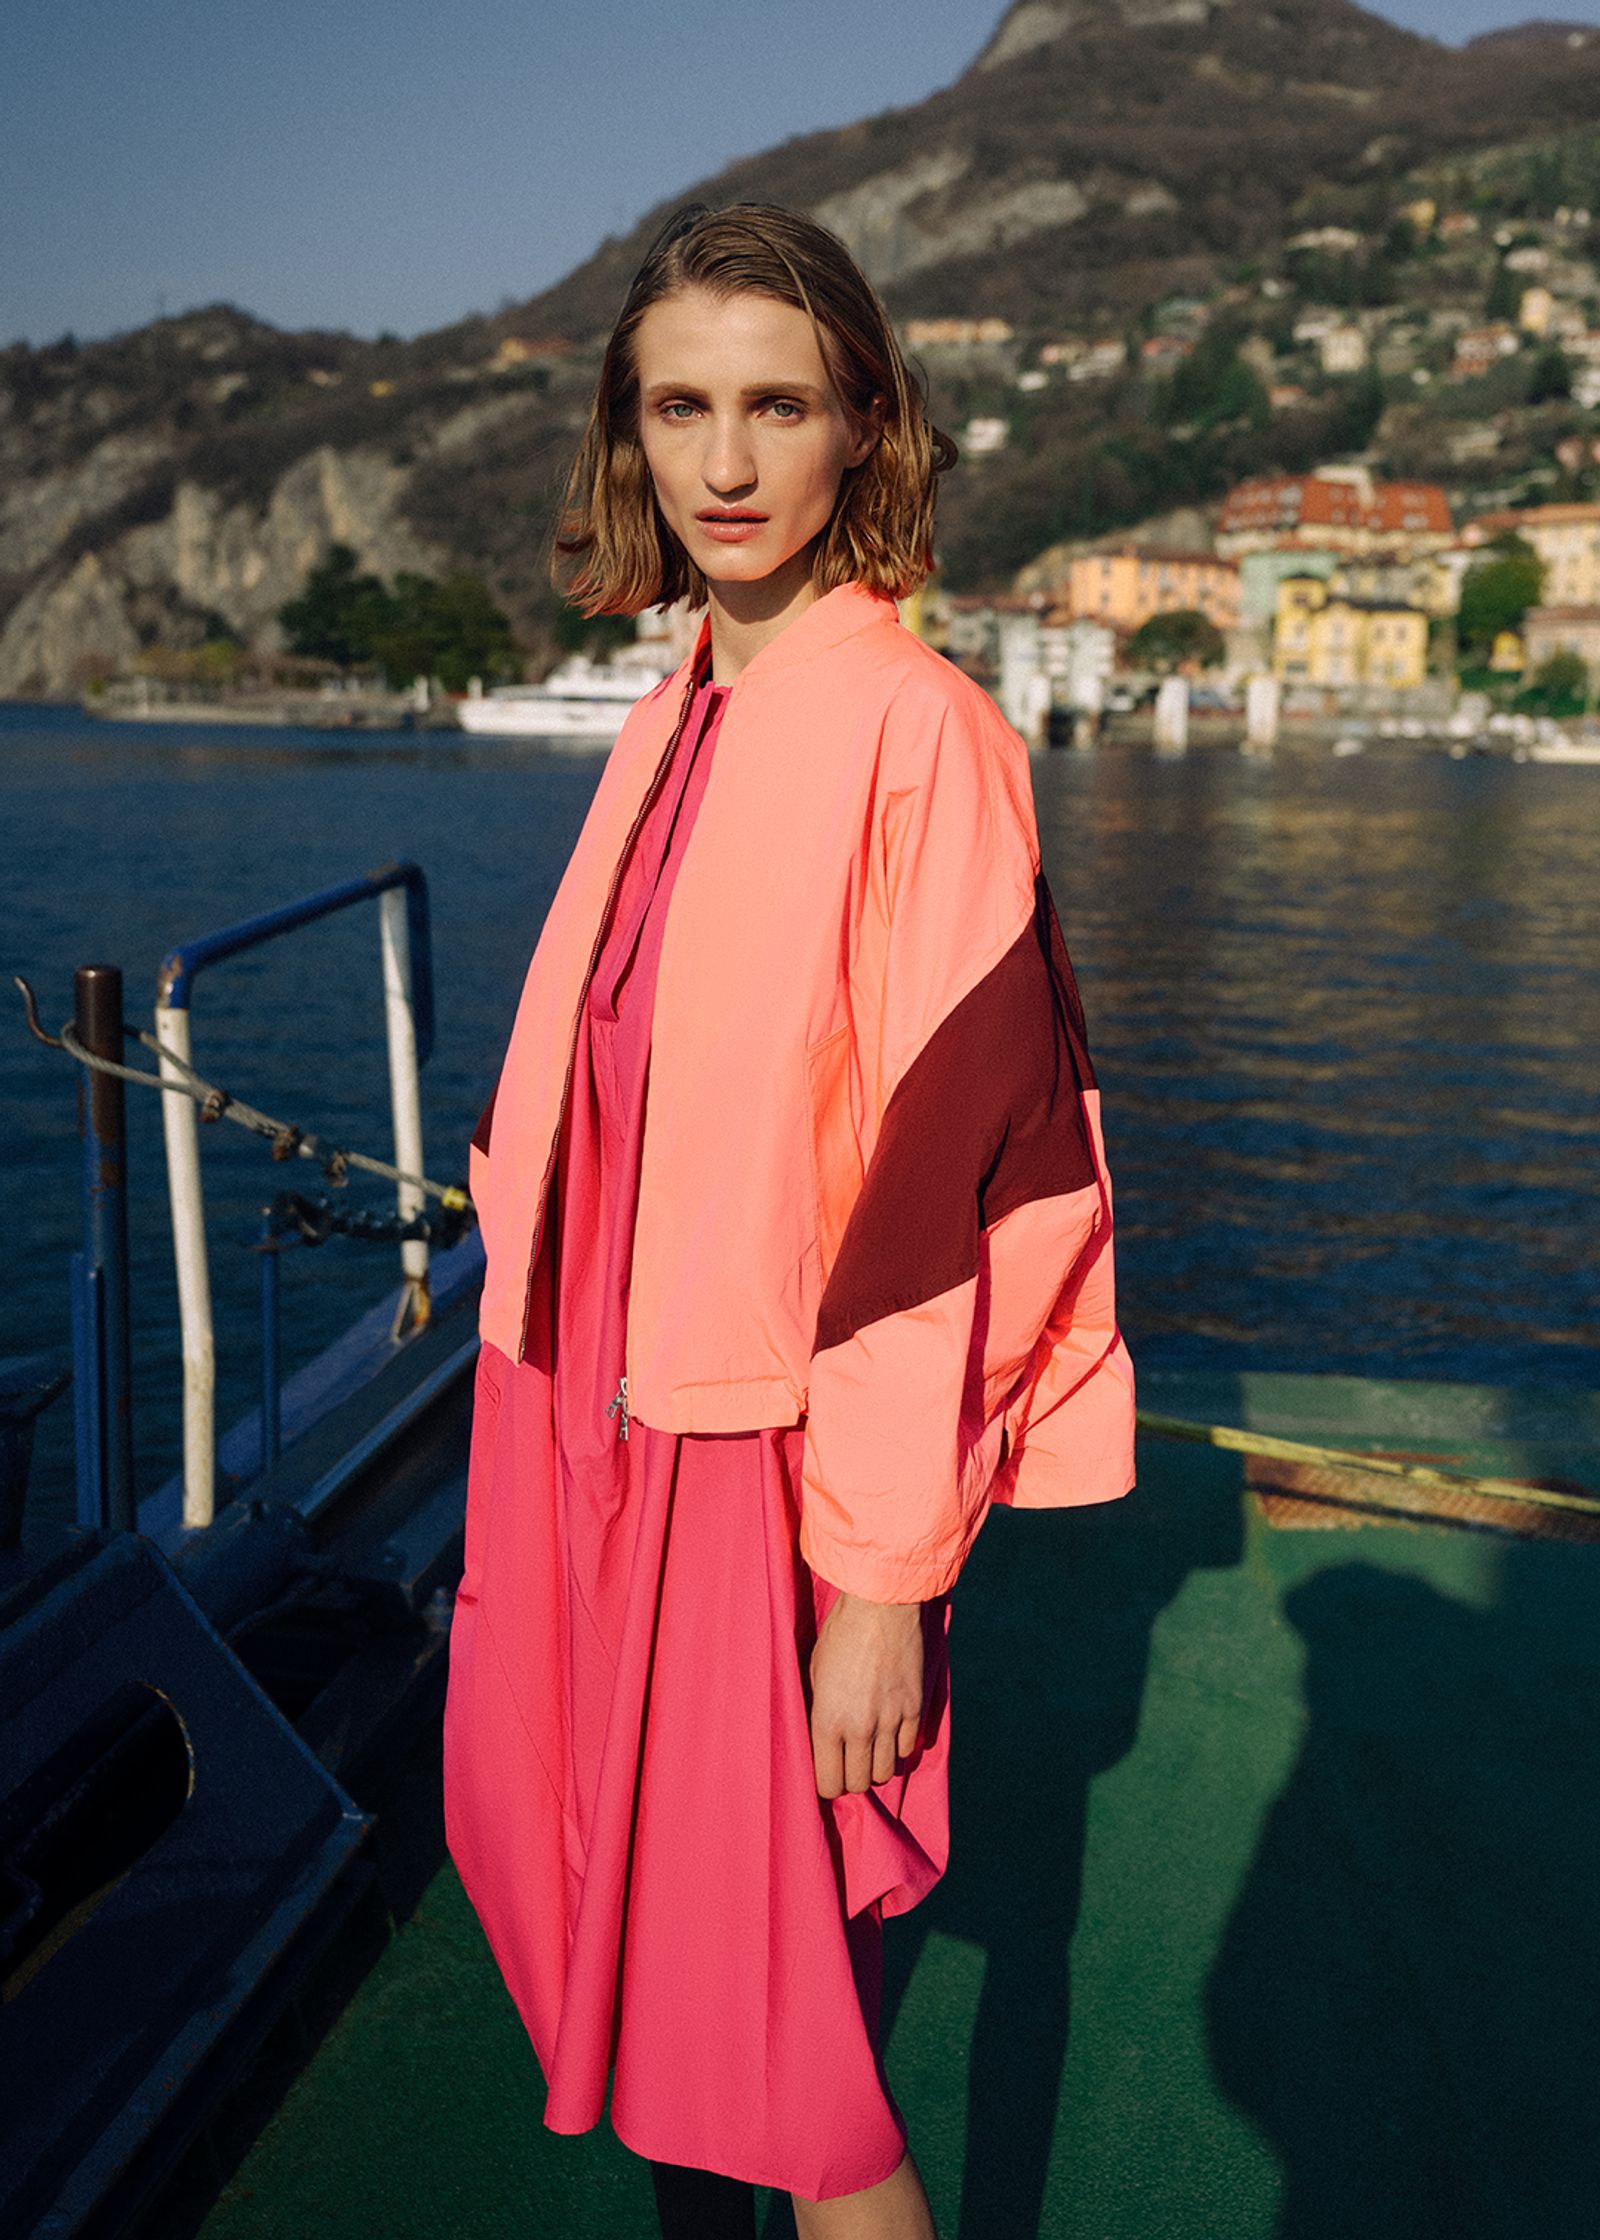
(1050,1649)
(1404,2001)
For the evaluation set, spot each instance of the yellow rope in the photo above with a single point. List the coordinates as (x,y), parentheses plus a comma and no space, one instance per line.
(1418,1473)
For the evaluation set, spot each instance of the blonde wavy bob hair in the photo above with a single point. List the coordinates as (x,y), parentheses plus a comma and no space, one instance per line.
(614,553)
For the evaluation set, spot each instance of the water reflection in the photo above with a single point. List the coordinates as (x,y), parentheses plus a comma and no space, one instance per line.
(1345,1016)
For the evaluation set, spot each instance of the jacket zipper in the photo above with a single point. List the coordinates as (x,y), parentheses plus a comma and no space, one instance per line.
(572,1046)
(620,1400)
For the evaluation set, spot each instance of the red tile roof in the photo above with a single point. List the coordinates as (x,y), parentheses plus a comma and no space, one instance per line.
(1314,501)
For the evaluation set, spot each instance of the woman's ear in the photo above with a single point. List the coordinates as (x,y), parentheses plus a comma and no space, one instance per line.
(867,430)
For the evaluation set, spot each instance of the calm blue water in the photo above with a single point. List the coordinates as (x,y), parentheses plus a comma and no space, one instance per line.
(1346,1016)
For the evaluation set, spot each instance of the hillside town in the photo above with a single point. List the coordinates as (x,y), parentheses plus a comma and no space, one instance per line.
(1414,400)
(1345,590)
(1343,584)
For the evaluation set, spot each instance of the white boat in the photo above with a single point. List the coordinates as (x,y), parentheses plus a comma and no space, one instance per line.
(582,702)
(1561,750)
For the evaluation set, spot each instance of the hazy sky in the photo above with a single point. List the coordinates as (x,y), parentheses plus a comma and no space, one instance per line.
(372,164)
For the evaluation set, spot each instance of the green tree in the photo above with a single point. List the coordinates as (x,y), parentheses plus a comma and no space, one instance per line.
(1213,384)
(1559,686)
(451,630)
(1179,634)
(1550,376)
(1505,293)
(1497,592)
(340,615)
(1357,411)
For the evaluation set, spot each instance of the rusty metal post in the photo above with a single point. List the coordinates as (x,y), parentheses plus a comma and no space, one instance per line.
(102,1125)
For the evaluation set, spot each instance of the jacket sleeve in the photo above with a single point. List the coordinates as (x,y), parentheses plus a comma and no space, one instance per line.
(983,1204)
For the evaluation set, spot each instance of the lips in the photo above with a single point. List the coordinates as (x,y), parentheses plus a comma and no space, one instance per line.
(731,525)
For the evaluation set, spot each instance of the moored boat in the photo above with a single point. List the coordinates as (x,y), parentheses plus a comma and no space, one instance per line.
(582,702)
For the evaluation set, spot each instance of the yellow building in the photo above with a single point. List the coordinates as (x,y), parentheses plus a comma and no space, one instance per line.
(1324,636)
(1125,586)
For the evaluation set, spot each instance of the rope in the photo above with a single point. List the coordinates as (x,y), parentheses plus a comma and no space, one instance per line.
(312,1220)
(1418,1473)
(287,1141)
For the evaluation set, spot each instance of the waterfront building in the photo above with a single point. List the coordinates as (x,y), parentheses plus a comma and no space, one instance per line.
(1262,571)
(1570,629)
(1124,585)
(1339,509)
(1326,636)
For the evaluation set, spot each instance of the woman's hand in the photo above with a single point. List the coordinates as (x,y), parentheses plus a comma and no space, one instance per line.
(866,1692)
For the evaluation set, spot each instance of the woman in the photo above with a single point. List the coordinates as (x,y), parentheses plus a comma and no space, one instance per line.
(761,1345)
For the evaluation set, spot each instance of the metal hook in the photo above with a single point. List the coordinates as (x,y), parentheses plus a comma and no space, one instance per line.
(51,1041)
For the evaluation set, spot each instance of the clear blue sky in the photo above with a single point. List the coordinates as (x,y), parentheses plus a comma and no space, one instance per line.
(372,164)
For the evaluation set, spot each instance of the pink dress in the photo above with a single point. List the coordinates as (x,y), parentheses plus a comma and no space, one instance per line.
(710,1926)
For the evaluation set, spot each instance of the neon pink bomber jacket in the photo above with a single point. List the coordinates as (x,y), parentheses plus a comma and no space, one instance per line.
(873,1190)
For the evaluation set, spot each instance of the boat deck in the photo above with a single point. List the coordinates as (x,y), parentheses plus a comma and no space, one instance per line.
(1271,1907)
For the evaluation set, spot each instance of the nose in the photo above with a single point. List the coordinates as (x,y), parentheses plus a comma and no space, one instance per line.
(729,466)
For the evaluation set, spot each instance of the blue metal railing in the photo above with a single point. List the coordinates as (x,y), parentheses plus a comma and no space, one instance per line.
(183,966)
(401,892)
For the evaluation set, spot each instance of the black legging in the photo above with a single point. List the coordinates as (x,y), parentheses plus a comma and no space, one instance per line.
(702,2204)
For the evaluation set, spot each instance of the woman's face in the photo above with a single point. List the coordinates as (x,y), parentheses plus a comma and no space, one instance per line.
(744,433)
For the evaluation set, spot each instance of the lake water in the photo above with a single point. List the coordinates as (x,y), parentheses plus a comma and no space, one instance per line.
(1345,1013)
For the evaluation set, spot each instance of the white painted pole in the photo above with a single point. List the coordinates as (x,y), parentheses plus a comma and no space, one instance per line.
(181,1127)
(405,1089)
(1172,715)
(1261,713)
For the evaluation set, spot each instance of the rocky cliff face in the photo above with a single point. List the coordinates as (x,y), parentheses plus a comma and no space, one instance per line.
(204,560)
(1097,156)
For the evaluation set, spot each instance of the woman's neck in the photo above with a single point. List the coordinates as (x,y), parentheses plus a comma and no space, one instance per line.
(747,616)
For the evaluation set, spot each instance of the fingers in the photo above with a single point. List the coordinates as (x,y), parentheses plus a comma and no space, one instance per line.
(855,1763)
(827,1754)
(884,1754)
(866,1694)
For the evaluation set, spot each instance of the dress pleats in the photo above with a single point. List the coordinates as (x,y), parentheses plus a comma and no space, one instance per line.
(671,1902)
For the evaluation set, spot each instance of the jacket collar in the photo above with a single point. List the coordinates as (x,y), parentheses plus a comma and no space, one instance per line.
(827,622)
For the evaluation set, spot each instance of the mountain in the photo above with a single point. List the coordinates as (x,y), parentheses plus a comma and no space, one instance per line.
(1092,141)
(1097,160)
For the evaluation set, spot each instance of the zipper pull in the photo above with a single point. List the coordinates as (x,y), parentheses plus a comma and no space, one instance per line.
(619,1399)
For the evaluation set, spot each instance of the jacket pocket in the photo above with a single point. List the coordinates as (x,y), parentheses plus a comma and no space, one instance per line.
(836,1166)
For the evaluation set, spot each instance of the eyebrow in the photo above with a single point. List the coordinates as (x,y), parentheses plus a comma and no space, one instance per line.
(753,389)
